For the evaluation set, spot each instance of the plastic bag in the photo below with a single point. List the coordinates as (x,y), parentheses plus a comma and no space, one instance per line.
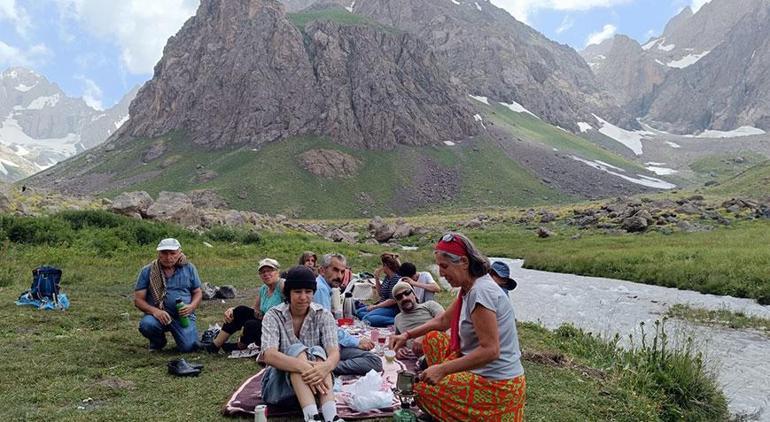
(366,393)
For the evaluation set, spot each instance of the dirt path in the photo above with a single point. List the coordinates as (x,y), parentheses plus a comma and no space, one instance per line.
(741,358)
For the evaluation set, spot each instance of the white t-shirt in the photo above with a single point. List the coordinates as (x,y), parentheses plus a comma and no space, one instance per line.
(422,295)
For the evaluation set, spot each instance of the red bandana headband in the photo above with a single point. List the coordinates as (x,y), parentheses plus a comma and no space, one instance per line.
(454,245)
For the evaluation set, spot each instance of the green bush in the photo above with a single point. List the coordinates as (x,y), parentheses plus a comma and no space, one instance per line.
(36,230)
(92,218)
(676,376)
(251,238)
(222,234)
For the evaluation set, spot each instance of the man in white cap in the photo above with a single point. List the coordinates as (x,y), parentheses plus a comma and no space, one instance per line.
(412,314)
(158,287)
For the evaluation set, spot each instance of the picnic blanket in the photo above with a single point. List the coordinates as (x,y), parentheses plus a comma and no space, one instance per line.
(249,394)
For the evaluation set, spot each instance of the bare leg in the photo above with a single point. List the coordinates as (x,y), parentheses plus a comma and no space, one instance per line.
(221,338)
(303,392)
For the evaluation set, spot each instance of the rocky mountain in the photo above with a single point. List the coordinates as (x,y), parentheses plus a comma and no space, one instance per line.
(493,55)
(40,125)
(727,87)
(689,79)
(241,73)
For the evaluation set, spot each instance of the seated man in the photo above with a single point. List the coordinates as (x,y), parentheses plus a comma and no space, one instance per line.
(412,315)
(422,282)
(354,357)
(299,343)
(501,273)
(159,285)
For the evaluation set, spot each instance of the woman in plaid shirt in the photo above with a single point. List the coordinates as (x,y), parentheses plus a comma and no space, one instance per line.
(299,343)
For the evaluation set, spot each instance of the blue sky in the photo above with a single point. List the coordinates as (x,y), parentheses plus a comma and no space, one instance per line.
(99,49)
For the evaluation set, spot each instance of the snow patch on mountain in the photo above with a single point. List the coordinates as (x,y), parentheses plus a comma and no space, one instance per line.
(631,139)
(642,180)
(518,108)
(480,99)
(688,60)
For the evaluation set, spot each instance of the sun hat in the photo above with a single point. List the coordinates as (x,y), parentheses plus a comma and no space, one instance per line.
(504,271)
(169,244)
(400,287)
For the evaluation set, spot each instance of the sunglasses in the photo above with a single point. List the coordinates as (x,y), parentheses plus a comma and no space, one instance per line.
(449,237)
(402,295)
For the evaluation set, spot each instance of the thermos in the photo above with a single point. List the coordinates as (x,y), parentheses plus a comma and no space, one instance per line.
(347,306)
(183,320)
(336,303)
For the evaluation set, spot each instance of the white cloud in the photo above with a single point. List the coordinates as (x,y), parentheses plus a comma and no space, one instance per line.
(30,57)
(92,93)
(606,33)
(10,11)
(697,4)
(565,25)
(522,9)
(140,28)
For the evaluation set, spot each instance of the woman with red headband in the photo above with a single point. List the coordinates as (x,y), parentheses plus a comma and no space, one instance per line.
(475,373)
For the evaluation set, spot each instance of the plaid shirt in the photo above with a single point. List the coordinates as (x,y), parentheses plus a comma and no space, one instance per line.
(318,328)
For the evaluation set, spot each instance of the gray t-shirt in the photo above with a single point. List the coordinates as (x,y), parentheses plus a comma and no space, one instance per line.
(485,292)
(421,314)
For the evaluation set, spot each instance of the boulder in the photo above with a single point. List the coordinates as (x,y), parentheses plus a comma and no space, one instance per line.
(132,204)
(634,224)
(174,207)
(402,230)
(207,198)
(339,235)
(384,232)
(5,203)
(543,232)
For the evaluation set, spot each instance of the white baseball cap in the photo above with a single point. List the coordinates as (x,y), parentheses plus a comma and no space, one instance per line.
(169,244)
(268,262)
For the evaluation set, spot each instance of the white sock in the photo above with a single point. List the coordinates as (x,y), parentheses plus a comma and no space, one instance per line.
(329,409)
(310,411)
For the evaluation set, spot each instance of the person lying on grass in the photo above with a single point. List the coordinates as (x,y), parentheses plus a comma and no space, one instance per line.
(158,286)
(299,344)
(247,318)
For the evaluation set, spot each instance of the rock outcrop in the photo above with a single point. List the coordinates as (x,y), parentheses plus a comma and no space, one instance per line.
(241,73)
(492,54)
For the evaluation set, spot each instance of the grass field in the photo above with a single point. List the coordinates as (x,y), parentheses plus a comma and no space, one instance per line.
(53,361)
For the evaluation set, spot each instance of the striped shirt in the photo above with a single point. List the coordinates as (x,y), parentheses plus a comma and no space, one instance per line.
(318,328)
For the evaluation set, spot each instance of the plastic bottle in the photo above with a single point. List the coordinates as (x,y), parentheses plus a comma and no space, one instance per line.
(404,414)
(260,413)
(183,320)
(347,306)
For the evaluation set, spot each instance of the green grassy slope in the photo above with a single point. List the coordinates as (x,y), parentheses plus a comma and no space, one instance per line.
(531,128)
(273,180)
(753,182)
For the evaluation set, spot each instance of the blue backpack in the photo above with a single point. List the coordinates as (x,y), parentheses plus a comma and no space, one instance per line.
(45,283)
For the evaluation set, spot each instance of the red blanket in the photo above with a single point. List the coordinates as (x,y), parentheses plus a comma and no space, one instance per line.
(249,394)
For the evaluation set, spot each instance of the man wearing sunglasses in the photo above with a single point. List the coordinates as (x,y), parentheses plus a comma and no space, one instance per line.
(412,315)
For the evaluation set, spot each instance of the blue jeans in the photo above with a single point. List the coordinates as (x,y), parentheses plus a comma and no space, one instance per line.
(276,384)
(380,317)
(185,338)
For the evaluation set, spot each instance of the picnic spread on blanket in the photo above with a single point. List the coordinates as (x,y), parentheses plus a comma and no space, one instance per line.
(248,395)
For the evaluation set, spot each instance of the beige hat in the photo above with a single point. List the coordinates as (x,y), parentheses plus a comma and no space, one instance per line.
(268,262)
(400,287)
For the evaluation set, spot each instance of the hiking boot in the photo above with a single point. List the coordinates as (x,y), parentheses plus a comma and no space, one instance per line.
(152,348)
(198,366)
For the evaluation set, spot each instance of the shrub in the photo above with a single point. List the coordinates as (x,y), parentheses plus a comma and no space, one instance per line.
(222,234)
(92,218)
(36,230)
(251,238)
(676,376)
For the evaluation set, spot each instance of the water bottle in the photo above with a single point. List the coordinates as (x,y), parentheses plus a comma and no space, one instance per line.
(183,320)
(260,413)
(336,299)
(347,306)
(404,414)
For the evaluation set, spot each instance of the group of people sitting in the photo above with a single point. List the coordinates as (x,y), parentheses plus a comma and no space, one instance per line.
(471,373)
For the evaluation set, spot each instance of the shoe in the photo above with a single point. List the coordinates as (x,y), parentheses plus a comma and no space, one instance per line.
(212,348)
(229,347)
(181,368)
(153,349)
(209,335)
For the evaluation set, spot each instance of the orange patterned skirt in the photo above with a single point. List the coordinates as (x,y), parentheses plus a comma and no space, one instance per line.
(465,396)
